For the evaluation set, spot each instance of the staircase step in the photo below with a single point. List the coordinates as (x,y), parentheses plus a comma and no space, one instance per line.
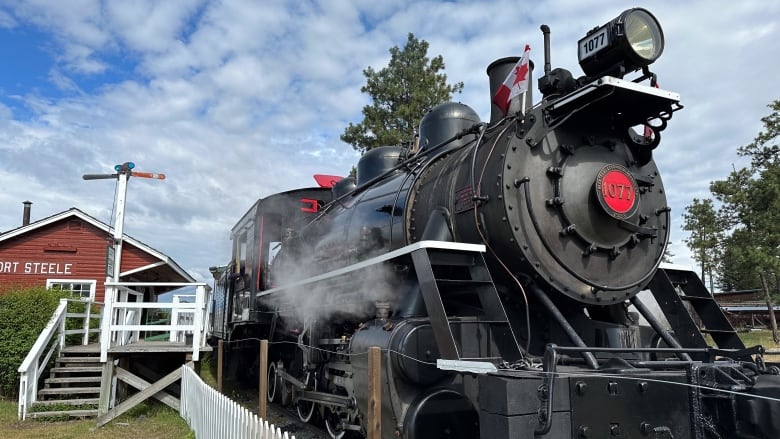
(78,360)
(81,350)
(69,413)
(69,390)
(69,369)
(65,380)
(82,401)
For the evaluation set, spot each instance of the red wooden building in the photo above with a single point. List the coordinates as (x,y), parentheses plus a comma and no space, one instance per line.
(68,250)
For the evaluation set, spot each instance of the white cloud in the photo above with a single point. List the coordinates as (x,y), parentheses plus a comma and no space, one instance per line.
(148,25)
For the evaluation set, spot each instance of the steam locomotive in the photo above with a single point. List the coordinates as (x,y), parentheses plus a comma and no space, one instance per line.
(510,272)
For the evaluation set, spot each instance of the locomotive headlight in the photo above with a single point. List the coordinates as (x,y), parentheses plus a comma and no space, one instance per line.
(629,42)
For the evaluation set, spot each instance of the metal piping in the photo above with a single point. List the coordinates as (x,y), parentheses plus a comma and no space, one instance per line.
(656,325)
(590,359)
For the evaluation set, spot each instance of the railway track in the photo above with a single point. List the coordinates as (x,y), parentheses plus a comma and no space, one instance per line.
(285,418)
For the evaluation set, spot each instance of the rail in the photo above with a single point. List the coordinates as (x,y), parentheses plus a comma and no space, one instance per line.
(213,415)
(121,323)
(53,338)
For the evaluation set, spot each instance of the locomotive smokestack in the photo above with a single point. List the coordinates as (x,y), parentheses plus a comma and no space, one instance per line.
(497,72)
(26,214)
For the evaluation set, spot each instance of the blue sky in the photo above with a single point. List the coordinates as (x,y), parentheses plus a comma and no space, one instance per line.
(235,100)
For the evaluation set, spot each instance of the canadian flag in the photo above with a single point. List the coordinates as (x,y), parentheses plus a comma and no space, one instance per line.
(515,83)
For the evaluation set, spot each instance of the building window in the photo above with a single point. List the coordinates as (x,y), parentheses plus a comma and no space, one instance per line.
(83,289)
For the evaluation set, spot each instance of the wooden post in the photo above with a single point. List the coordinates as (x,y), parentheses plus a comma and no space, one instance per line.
(219,366)
(263,387)
(374,426)
(106,377)
(775,336)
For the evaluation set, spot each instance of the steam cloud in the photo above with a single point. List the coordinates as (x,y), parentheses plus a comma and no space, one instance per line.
(349,297)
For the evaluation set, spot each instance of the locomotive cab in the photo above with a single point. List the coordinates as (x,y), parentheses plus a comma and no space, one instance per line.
(257,239)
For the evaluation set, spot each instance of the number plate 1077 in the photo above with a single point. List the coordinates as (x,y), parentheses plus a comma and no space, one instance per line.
(593,43)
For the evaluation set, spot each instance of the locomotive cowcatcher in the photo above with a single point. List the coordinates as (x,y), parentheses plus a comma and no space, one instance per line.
(510,272)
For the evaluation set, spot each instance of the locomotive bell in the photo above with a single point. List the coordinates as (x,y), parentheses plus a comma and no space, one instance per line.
(444,121)
(378,161)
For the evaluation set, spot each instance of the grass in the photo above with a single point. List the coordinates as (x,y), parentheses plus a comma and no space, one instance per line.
(149,420)
(763,337)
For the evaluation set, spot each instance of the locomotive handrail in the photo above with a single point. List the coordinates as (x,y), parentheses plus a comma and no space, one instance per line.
(406,162)
(711,352)
(440,245)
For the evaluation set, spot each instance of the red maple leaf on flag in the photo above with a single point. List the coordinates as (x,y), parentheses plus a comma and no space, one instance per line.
(520,73)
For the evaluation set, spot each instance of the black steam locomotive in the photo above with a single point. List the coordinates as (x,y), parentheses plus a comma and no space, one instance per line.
(510,271)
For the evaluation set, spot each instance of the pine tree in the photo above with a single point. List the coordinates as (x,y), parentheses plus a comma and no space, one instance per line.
(401,94)
(706,236)
(751,209)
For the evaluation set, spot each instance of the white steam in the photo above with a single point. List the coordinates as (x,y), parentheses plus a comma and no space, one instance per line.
(351,296)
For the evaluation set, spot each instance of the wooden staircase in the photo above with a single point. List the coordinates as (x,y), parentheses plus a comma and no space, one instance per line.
(73,387)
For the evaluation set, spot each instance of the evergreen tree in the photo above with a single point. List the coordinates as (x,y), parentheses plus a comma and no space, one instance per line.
(701,220)
(751,208)
(402,93)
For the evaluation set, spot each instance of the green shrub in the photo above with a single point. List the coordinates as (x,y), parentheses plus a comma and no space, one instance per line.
(24,312)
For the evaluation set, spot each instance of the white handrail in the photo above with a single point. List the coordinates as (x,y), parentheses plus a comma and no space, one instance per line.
(117,308)
(28,381)
(33,365)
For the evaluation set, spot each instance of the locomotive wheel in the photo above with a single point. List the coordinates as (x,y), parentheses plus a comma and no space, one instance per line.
(305,409)
(333,424)
(274,383)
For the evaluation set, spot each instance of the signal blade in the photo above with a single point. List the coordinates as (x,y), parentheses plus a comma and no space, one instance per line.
(149,175)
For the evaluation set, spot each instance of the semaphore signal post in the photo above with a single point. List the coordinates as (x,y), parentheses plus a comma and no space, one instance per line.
(122,175)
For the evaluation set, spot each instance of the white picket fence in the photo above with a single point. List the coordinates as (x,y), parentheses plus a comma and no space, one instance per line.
(212,415)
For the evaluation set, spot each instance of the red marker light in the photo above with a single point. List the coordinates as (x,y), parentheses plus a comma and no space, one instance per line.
(311,205)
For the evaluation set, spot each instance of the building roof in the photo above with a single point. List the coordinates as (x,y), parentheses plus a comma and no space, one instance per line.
(741,308)
(165,261)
